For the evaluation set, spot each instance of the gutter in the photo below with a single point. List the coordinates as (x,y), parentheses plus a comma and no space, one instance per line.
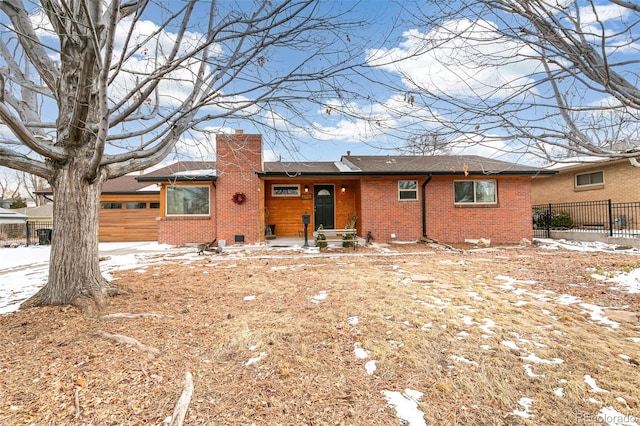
(532,173)
(424,206)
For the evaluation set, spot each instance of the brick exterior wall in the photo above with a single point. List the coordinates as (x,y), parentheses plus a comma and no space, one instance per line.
(238,157)
(184,229)
(620,185)
(508,222)
(383,214)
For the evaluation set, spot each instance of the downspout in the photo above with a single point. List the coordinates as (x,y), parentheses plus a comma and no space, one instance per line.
(424,207)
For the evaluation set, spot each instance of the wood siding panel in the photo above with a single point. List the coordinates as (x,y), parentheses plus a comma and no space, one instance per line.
(129,224)
(286,212)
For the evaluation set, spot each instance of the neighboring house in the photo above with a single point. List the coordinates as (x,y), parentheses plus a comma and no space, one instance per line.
(12,226)
(616,180)
(12,216)
(43,213)
(448,198)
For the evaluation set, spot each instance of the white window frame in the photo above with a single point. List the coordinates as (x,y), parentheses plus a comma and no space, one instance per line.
(474,202)
(407,191)
(167,204)
(285,186)
(587,185)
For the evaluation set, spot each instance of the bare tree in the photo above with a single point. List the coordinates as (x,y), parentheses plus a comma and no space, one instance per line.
(9,187)
(31,185)
(546,77)
(97,89)
(427,144)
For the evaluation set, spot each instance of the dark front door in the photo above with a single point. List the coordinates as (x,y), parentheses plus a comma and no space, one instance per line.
(323,206)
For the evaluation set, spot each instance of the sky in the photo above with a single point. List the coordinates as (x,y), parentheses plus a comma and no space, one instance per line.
(385,36)
(23,270)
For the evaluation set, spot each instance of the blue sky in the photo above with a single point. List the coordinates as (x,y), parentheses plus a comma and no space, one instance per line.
(333,134)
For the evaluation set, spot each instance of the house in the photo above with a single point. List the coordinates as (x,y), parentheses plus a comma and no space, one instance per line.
(447,198)
(12,217)
(589,201)
(42,213)
(13,226)
(603,180)
(402,198)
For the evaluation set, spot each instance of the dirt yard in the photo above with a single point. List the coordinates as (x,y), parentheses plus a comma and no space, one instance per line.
(412,335)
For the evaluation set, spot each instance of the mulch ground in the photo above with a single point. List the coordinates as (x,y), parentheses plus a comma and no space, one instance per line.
(267,338)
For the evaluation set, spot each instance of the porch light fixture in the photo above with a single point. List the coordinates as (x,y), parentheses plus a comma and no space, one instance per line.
(306,189)
(343,189)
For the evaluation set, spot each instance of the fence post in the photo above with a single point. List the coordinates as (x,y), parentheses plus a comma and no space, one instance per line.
(548,221)
(610,218)
(28,232)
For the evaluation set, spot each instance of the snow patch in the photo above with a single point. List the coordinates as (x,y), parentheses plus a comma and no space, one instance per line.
(406,406)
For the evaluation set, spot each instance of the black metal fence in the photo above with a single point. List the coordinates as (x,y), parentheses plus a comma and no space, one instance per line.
(614,219)
(29,233)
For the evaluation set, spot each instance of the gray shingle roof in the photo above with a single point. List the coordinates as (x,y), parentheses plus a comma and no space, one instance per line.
(123,184)
(438,164)
(404,165)
(293,169)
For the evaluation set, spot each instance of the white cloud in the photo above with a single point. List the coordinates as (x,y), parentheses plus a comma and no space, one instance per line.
(370,122)
(474,64)
(494,146)
(602,13)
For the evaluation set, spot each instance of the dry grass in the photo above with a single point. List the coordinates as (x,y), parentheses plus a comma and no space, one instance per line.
(436,322)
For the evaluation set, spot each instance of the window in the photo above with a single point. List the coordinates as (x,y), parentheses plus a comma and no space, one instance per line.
(154,205)
(187,200)
(136,205)
(408,190)
(586,179)
(474,192)
(111,206)
(285,190)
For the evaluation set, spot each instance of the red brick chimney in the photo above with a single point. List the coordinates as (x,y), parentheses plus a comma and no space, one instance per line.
(239,192)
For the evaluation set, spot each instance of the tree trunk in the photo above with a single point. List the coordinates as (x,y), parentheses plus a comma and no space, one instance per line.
(74,268)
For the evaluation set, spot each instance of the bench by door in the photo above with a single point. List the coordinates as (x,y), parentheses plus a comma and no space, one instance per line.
(323,206)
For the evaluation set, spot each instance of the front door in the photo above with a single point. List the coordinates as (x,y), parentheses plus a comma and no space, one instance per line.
(323,206)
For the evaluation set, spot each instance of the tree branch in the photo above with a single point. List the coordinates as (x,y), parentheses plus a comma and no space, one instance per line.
(24,135)
(19,17)
(151,352)
(17,161)
(182,405)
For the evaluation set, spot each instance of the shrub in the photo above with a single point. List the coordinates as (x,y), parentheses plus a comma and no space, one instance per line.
(348,240)
(561,219)
(321,239)
(558,219)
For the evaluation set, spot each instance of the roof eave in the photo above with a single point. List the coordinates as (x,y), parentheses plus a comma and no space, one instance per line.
(174,179)
(408,173)
(129,192)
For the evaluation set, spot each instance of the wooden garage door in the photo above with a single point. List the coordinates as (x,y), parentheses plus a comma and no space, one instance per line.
(129,220)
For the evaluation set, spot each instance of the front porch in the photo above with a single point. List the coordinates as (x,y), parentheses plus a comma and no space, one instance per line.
(334,204)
